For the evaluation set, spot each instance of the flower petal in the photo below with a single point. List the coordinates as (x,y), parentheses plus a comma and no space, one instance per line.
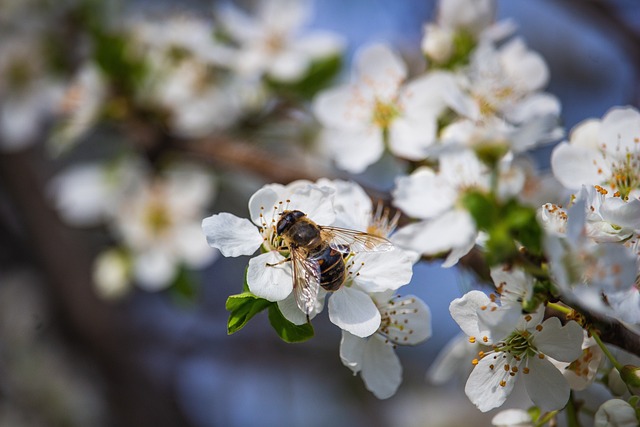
(153,270)
(483,386)
(354,311)
(563,343)
(381,368)
(381,271)
(352,351)
(233,236)
(545,384)
(464,311)
(353,151)
(381,67)
(273,283)
(576,166)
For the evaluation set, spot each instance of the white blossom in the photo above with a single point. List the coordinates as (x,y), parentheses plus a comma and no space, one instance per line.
(616,413)
(602,152)
(377,109)
(271,41)
(433,198)
(405,321)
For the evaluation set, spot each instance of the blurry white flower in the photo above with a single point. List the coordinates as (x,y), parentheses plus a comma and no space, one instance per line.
(602,152)
(404,321)
(512,418)
(271,42)
(582,372)
(460,24)
(28,93)
(616,413)
(112,274)
(377,110)
(158,221)
(80,106)
(585,271)
(433,198)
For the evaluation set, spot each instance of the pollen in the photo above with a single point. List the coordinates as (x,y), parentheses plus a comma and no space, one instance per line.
(485,339)
(528,318)
(474,362)
(525,370)
(472,340)
(503,383)
(540,356)
(539,328)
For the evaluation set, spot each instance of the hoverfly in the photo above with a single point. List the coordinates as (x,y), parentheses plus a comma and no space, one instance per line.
(317,253)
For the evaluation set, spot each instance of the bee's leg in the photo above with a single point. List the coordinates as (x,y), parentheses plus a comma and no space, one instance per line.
(278,263)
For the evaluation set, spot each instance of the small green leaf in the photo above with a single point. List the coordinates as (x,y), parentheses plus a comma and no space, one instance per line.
(289,332)
(243,307)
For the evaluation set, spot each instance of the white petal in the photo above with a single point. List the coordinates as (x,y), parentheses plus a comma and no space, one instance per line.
(483,386)
(262,202)
(233,236)
(192,246)
(273,283)
(410,138)
(352,351)
(452,360)
(620,129)
(381,271)
(464,311)
(545,384)
(153,270)
(574,166)
(354,311)
(410,320)
(563,343)
(290,310)
(82,194)
(381,368)
(381,67)
(525,68)
(512,418)
(423,194)
(343,108)
(454,229)
(354,151)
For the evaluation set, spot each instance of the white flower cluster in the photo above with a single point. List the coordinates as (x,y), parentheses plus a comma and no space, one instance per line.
(153,218)
(372,318)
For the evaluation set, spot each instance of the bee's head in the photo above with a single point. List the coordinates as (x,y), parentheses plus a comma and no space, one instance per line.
(287,219)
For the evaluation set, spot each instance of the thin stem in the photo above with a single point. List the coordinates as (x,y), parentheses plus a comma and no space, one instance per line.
(548,417)
(572,413)
(559,307)
(605,350)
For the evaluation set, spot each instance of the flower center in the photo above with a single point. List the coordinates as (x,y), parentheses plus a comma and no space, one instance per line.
(394,324)
(384,113)
(157,218)
(625,175)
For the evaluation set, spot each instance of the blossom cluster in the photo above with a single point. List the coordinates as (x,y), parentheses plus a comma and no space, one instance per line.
(560,252)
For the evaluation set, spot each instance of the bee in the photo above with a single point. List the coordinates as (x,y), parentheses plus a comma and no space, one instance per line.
(318,254)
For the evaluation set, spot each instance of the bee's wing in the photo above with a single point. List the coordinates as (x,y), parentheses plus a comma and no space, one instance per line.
(345,240)
(306,280)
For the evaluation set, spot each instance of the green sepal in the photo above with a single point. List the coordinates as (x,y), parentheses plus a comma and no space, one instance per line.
(242,308)
(463,45)
(288,331)
(505,223)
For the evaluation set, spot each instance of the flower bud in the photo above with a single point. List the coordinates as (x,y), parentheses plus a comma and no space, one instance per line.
(631,376)
(437,43)
(615,412)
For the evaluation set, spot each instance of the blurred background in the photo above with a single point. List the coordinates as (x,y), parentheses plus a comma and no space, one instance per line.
(92,331)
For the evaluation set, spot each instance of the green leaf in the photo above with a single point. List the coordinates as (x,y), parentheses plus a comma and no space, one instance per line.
(289,332)
(243,307)
(319,75)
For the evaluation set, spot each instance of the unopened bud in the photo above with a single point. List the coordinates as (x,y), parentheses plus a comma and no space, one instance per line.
(631,376)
